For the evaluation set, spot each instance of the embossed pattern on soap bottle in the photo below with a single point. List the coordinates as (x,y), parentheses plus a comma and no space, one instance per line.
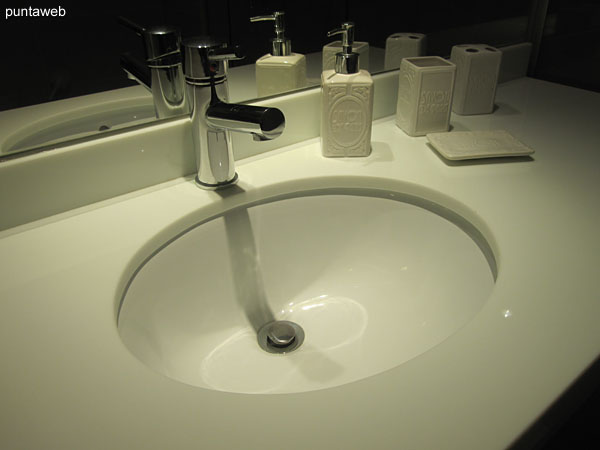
(348,121)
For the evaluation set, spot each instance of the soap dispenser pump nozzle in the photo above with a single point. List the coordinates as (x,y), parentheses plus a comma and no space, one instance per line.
(280,45)
(346,61)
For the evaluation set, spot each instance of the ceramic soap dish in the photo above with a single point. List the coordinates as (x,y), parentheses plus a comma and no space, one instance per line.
(459,145)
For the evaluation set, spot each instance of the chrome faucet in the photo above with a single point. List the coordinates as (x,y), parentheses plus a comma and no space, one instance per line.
(162,72)
(205,67)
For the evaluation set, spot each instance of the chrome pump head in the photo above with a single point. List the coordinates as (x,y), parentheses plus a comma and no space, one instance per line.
(346,61)
(280,45)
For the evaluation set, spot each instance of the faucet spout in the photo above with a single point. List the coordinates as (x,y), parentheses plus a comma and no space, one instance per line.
(213,118)
(262,122)
(136,70)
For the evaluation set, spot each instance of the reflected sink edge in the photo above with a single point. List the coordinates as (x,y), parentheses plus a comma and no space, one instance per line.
(238,199)
(78,125)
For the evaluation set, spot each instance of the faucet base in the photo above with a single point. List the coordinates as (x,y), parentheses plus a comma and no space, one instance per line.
(213,187)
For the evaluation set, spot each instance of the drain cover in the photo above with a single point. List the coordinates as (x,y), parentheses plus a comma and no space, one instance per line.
(280,336)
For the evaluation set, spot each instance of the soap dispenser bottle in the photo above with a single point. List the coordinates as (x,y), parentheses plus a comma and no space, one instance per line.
(281,70)
(346,102)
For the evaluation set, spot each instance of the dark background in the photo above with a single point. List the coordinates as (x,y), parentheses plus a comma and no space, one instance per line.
(47,59)
(570,46)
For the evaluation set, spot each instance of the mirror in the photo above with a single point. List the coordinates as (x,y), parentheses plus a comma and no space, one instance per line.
(63,80)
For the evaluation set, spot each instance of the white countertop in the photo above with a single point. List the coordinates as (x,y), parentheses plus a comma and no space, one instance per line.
(68,382)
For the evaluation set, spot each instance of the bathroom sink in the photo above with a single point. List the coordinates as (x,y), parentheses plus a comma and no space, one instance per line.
(372,277)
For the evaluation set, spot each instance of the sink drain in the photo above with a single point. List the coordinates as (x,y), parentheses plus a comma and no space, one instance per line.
(280,336)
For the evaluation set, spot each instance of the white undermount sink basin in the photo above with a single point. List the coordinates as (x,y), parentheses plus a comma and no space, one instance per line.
(373,277)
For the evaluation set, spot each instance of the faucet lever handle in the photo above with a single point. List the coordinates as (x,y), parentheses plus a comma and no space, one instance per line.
(136,28)
(159,41)
(206,57)
(234,52)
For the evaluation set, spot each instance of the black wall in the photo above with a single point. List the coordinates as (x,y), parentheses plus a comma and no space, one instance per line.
(45,59)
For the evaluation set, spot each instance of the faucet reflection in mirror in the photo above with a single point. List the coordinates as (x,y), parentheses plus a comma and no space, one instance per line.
(162,72)
(205,61)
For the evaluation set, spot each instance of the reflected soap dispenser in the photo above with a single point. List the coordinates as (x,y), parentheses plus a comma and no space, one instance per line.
(346,102)
(281,70)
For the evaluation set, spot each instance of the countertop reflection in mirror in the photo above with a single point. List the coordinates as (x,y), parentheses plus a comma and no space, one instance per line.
(65,80)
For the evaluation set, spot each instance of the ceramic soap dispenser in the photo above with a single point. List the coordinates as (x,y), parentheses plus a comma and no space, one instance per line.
(346,102)
(281,70)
